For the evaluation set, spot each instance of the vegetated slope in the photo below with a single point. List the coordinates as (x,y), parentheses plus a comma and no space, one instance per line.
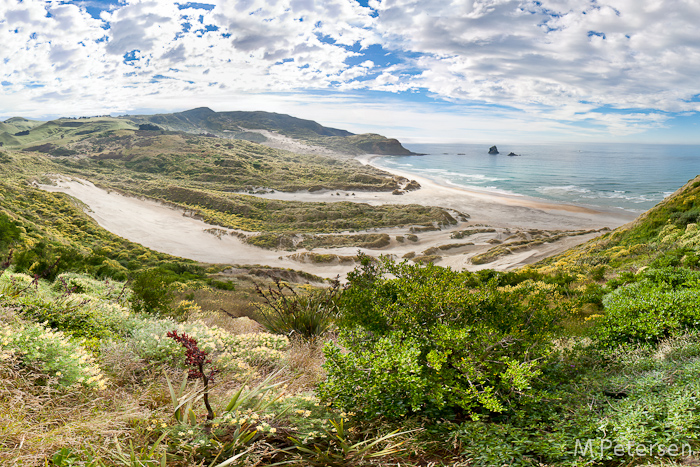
(50,136)
(205,119)
(220,164)
(209,176)
(236,124)
(49,233)
(10,127)
(17,124)
(667,234)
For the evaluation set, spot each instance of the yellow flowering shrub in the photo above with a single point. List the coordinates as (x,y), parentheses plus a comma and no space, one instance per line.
(234,352)
(51,352)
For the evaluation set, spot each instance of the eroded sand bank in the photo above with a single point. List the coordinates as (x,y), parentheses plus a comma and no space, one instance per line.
(171,230)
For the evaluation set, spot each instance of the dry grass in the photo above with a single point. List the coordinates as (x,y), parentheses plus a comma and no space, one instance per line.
(38,417)
(242,325)
(305,362)
(36,421)
(238,302)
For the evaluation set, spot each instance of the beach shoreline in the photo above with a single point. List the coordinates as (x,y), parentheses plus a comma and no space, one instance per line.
(491,219)
(498,197)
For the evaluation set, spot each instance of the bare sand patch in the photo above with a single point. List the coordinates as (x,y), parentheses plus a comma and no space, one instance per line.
(170,230)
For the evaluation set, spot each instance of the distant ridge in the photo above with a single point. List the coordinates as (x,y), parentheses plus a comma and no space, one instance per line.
(254,126)
(248,124)
(203,118)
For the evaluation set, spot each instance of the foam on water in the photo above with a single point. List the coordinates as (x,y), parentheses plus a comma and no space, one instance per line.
(632,177)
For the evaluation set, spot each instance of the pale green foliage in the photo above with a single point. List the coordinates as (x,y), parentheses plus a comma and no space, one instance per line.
(51,352)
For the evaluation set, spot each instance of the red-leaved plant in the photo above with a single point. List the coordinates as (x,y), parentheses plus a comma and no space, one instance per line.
(196,358)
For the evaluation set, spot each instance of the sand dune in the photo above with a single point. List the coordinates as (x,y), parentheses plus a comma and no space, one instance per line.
(170,230)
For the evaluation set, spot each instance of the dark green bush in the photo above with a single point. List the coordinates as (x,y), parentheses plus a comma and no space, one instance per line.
(70,315)
(9,232)
(223,285)
(151,291)
(683,218)
(47,260)
(467,349)
(307,316)
(647,311)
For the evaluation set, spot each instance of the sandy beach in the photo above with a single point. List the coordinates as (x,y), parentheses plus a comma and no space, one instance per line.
(499,219)
(498,210)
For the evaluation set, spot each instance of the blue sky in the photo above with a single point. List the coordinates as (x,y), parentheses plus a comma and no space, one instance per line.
(419,70)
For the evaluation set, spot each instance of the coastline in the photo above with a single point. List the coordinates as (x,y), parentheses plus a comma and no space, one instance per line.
(495,218)
(496,197)
(494,209)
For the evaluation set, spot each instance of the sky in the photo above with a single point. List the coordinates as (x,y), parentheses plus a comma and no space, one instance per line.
(418,70)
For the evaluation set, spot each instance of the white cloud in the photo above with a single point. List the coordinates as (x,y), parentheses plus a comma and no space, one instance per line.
(621,53)
(555,61)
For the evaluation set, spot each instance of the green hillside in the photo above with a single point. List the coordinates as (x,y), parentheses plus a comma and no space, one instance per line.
(235,125)
(205,119)
(108,349)
(58,132)
(16,124)
(10,127)
(18,131)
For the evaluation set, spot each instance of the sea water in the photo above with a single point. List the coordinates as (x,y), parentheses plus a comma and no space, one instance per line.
(633,177)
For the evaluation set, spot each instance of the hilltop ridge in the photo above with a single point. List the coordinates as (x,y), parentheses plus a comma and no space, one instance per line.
(253,126)
(260,127)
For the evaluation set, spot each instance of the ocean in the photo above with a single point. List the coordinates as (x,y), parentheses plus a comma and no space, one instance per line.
(632,177)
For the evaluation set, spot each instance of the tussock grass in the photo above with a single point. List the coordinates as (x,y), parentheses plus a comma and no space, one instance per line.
(36,421)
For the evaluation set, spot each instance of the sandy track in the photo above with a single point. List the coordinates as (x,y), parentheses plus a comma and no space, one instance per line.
(170,230)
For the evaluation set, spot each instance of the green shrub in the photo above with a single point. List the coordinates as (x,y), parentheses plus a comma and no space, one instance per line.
(9,232)
(465,349)
(73,315)
(148,335)
(645,312)
(151,291)
(271,241)
(51,352)
(257,349)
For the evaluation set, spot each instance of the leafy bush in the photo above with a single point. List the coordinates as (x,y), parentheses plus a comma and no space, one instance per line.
(52,352)
(232,352)
(151,291)
(9,232)
(423,339)
(645,312)
(72,315)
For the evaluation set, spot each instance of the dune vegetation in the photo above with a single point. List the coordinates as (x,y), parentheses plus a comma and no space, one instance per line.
(213,178)
(115,355)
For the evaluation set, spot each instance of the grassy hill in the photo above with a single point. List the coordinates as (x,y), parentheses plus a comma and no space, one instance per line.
(44,136)
(588,358)
(19,132)
(10,127)
(205,119)
(236,125)
(17,124)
